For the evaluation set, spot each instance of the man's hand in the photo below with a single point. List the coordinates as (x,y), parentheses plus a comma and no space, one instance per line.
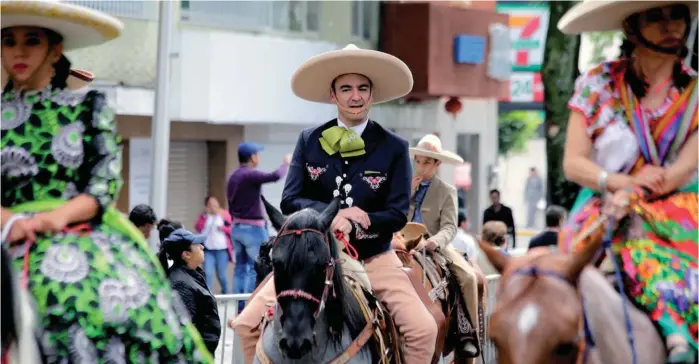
(415,182)
(49,222)
(22,230)
(431,245)
(287,158)
(341,224)
(398,241)
(357,215)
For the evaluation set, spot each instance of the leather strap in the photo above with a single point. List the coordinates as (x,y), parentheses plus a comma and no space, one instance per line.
(356,345)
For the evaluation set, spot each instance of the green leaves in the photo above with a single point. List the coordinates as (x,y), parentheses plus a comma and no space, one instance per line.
(515,128)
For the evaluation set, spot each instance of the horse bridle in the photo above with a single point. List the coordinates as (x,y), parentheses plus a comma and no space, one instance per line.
(584,339)
(329,271)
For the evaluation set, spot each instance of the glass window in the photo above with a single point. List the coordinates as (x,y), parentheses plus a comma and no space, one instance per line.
(296,15)
(312,15)
(280,15)
(368,18)
(356,16)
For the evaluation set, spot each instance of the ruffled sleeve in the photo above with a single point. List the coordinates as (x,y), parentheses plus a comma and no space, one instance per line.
(595,98)
(103,151)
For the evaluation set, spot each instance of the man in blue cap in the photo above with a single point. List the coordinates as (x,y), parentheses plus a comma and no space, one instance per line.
(245,205)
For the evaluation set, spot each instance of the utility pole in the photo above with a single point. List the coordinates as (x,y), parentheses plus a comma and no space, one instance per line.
(161,120)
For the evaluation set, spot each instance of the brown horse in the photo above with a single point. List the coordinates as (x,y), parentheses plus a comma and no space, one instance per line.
(433,281)
(552,308)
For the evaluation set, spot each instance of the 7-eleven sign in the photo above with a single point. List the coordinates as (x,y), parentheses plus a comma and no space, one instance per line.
(528,26)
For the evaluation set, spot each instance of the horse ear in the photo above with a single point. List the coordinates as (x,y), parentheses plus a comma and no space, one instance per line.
(497,258)
(580,259)
(275,216)
(328,215)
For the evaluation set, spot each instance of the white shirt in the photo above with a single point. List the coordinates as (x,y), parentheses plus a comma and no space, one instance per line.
(465,244)
(359,129)
(215,238)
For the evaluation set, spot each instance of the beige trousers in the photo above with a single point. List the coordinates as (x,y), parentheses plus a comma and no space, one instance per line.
(390,284)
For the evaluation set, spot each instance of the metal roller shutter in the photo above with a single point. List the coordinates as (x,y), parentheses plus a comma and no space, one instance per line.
(188,181)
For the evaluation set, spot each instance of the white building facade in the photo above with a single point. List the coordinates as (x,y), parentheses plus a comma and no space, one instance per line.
(231,66)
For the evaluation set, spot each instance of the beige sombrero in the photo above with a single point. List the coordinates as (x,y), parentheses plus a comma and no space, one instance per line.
(431,146)
(390,77)
(608,15)
(76,80)
(79,26)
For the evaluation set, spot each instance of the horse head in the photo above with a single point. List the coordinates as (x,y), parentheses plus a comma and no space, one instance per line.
(309,281)
(538,315)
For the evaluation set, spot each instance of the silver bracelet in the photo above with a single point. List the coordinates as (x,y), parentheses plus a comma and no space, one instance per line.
(602,181)
(8,225)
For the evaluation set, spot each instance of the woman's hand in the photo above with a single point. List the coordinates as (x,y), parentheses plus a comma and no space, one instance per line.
(650,177)
(50,222)
(618,205)
(22,230)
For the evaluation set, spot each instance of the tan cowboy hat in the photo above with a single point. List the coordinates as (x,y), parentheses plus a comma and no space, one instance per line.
(607,15)
(412,233)
(390,77)
(79,26)
(431,146)
(76,80)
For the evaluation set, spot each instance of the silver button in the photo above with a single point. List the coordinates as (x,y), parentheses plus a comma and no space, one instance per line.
(346,162)
(344,175)
(342,202)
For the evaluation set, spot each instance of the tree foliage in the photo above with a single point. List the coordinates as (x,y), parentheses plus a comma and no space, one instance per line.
(601,41)
(515,128)
(559,71)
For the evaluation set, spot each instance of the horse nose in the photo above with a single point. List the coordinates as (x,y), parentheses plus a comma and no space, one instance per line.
(295,348)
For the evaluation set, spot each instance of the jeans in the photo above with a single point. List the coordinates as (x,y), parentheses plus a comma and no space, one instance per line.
(216,260)
(246,244)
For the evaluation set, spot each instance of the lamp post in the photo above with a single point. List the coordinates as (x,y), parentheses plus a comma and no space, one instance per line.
(161,121)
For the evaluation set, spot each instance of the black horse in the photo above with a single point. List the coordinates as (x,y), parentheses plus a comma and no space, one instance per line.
(311,292)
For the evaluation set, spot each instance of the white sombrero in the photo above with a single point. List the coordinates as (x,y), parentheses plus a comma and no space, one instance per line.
(431,146)
(76,80)
(607,15)
(390,77)
(79,26)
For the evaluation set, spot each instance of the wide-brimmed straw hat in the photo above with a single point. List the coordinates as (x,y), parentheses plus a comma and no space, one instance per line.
(390,77)
(608,15)
(431,146)
(79,26)
(76,80)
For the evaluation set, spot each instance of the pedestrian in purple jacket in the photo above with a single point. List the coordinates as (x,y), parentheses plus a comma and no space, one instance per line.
(245,205)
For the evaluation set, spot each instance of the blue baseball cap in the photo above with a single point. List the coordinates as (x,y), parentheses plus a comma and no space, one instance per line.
(248,149)
(184,237)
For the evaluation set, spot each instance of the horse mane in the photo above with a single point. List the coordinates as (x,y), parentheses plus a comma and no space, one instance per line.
(342,309)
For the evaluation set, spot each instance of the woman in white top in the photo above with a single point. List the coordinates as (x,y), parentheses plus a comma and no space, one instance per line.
(215,223)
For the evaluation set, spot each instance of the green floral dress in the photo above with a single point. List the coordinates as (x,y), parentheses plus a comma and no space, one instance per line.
(100,294)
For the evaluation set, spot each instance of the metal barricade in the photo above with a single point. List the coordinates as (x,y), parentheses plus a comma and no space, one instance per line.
(228,350)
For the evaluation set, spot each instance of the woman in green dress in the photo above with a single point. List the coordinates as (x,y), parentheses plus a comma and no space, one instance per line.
(100,294)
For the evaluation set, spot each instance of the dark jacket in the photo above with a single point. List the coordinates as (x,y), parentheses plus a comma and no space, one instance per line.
(377,182)
(200,302)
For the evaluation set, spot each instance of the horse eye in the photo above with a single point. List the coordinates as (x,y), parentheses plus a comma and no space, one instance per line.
(565,349)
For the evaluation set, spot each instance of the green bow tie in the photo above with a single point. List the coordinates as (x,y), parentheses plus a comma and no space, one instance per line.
(343,140)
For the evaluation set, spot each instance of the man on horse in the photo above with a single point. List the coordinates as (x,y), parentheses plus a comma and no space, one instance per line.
(368,168)
(434,204)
